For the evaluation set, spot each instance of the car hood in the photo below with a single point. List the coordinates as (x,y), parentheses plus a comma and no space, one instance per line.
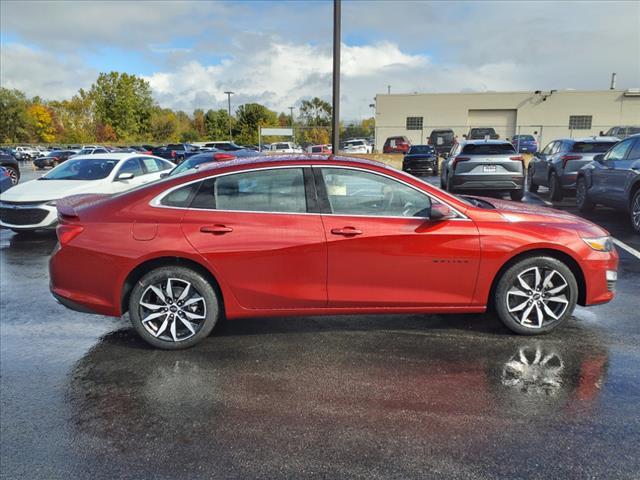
(523,212)
(47,190)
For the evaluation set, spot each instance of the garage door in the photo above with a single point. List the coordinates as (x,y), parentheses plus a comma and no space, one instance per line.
(503,121)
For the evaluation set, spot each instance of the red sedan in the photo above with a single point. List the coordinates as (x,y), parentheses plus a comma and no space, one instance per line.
(317,235)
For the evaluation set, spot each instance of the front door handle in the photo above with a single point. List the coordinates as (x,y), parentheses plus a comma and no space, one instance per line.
(346,231)
(216,229)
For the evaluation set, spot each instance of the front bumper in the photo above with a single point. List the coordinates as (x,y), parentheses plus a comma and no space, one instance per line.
(600,274)
(488,182)
(28,216)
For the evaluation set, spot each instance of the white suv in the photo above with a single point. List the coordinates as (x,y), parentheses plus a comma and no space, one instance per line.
(357,145)
(284,147)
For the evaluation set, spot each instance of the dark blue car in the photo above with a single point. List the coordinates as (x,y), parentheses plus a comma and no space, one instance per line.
(525,143)
(5,180)
(420,160)
(613,179)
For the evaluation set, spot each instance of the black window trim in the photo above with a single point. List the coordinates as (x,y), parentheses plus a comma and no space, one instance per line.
(326,207)
(157,200)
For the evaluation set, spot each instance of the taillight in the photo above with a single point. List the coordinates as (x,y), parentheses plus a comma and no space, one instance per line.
(173,154)
(566,158)
(5,172)
(458,159)
(66,233)
(518,158)
(220,157)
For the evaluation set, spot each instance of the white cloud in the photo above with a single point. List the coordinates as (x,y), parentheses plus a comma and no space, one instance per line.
(40,73)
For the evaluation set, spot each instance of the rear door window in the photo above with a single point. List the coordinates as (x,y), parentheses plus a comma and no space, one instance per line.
(277,190)
(634,153)
(592,147)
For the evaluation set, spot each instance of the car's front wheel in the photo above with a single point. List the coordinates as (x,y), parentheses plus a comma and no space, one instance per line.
(173,307)
(536,295)
(14,174)
(635,211)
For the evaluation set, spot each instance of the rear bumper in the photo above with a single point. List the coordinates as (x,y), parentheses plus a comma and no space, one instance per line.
(568,181)
(488,182)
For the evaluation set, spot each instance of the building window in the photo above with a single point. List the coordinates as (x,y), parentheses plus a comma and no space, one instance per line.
(414,123)
(580,122)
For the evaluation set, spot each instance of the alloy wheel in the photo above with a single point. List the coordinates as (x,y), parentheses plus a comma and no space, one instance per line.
(538,296)
(635,212)
(172,310)
(14,175)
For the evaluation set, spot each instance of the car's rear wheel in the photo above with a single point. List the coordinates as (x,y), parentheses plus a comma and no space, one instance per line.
(536,295)
(531,185)
(516,195)
(635,211)
(555,189)
(173,307)
(583,202)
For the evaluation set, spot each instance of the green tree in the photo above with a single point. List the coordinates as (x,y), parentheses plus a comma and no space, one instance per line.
(124,102)
(315,112)
(75,118)
(250,117)
(164,126)
(198,123)
(216,124)
(13,120)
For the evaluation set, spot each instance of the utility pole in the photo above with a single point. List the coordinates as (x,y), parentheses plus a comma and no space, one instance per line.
(388,89)
(291,109)
(335,120)
(229,99)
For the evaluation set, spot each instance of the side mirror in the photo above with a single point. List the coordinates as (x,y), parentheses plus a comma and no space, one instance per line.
(599,158)
(164,174)
(440,211)
(125,176)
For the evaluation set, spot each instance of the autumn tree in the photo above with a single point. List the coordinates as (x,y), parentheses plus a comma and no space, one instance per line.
(40,123)
(250,117)
(124,102)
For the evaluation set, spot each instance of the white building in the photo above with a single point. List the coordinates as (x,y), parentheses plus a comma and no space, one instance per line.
(546,114)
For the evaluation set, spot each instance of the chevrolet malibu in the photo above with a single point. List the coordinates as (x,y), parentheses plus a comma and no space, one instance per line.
(301,235)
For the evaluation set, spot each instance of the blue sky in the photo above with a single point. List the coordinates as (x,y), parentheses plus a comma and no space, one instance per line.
(279,53)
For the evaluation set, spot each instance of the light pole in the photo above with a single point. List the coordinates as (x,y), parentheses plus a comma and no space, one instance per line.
(291,109)
(335,120)
(229,100)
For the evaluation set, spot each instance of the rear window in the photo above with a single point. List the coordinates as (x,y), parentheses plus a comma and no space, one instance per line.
(524,138)
(174,146)
(282,146)
(446,136)
(488,149)
(592,147)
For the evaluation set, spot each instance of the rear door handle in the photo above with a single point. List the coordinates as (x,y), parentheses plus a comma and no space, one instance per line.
(346,231)
(216,229)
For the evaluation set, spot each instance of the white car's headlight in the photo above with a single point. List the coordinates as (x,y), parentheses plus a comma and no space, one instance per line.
(600,244)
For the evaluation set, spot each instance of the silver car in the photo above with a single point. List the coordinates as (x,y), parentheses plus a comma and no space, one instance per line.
(484,165)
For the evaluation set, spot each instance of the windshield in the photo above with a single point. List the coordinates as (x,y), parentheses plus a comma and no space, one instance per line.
(193,162)
(89,169)
(592,147)
(488,148)
(421,149)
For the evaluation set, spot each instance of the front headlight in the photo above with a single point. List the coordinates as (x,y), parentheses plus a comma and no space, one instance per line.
(600,244)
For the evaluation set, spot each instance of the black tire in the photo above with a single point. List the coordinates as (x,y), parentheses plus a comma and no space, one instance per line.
(209,307)
(516,195)
(583,202)
(531,185)
(634,211)
(14,173)
(555,189)
(525,267)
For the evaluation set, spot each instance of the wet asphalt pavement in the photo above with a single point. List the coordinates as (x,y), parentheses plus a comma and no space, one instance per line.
(412,396)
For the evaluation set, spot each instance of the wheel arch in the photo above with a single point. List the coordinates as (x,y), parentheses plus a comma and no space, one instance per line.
(166,261)
(632,191)
(567,259)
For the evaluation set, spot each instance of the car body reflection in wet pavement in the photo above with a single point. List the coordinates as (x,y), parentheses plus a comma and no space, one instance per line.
(332,397)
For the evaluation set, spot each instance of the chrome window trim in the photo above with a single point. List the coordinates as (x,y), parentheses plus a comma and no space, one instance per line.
(155,201)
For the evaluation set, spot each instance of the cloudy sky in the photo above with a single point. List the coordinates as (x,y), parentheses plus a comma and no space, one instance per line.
(278,53)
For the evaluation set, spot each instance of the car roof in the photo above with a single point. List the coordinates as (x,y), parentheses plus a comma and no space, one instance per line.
(591,139)
(112,156)
(244,163)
